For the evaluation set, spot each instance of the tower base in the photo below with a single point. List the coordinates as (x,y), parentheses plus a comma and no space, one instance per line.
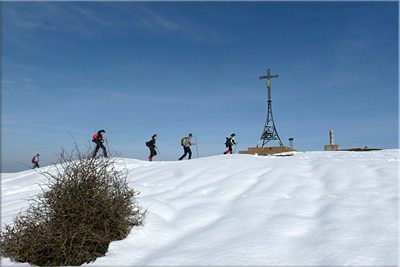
(332,148)
(264,151)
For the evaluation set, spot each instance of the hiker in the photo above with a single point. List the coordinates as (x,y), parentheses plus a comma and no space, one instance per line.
(230,141)
(35,161)
(152,146)
(98,139)
(186,143)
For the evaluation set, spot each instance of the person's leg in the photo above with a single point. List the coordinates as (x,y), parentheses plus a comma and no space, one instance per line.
(228,147)
(185,153)
(95,150)
(152,153)
(190,152)
(104,150)
(227,151)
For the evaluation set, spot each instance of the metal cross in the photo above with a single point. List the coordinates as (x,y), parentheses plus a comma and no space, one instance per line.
(269,76)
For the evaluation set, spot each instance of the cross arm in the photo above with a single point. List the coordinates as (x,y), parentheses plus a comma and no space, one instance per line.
(270,76)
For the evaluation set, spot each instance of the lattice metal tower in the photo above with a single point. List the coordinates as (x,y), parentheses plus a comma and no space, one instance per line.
(269,132)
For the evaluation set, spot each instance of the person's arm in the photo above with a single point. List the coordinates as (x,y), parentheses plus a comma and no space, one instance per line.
(153,143)
(192,144)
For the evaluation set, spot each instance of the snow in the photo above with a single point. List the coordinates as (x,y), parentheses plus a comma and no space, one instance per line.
(312,208)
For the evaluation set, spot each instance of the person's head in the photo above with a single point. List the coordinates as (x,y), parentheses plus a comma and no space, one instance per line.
(154,136)
(38,155)
(101,132)
(233,134)
(190,135)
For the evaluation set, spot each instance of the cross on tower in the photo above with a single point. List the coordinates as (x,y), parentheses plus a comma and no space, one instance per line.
(269,132)
(269,76)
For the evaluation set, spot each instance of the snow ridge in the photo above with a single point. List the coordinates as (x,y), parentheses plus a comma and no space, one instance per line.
(312,208)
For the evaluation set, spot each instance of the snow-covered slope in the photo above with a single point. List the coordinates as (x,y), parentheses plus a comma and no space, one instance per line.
(312,208)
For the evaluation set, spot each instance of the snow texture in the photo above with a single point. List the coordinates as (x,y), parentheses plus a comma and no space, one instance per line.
(312,208)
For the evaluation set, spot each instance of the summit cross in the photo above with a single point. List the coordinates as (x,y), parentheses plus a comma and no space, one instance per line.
(269,76)
(269,132)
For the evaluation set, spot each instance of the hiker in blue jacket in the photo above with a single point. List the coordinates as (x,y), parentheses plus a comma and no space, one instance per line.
(98,139)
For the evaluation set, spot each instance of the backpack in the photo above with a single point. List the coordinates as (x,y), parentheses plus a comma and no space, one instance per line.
(228,141)
(33,159)
(184,141)
(148,144)
(94,137)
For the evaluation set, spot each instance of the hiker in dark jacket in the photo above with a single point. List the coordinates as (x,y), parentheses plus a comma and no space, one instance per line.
(152,146)
(99,143)
(230,141)
(186,143)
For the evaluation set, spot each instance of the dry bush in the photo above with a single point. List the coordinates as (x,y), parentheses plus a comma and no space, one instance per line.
(85,204)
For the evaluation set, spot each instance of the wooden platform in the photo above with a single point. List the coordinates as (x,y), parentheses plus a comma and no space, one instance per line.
(264,151)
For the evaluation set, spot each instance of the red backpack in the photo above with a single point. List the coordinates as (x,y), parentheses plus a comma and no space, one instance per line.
(33,159)
(94,137)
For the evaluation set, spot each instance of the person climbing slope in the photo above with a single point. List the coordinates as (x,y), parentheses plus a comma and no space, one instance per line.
(230,141)
(98,139)
(35,161)
(152,146)
(186,143)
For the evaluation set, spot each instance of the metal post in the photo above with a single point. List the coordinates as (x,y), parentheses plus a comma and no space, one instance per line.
(331,137)
(291,143)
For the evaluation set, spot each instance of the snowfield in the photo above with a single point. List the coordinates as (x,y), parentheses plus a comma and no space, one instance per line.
(312,208)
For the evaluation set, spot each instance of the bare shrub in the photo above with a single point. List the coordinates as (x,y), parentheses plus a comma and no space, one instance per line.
(85,204)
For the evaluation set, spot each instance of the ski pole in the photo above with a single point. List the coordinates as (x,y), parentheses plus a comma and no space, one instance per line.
(160,154)
(235,149)
(197,145)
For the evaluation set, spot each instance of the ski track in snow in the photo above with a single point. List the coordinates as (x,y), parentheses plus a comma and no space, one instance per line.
(312,208)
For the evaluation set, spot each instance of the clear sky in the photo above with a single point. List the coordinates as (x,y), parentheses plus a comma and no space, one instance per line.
(174,68)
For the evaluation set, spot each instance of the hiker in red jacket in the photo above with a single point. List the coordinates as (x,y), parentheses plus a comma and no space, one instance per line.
(98,139)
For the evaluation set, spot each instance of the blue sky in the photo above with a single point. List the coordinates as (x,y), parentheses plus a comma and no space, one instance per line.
(174,68)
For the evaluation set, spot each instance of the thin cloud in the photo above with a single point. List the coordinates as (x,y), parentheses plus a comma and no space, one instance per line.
(99,19)
(150,19)
(28,17)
